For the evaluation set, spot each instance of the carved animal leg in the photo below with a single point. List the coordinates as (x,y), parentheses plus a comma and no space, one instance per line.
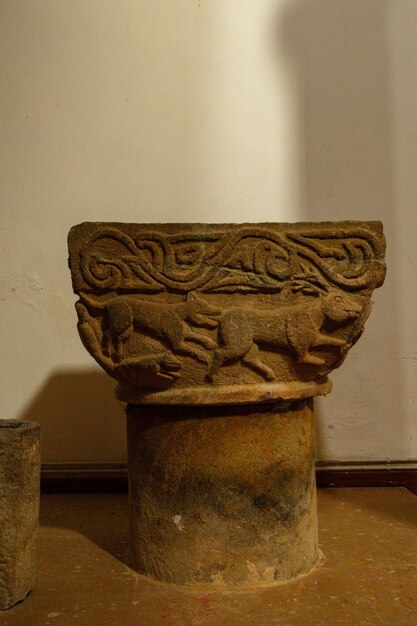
(113,343)
(118,349)
(119,341)
(107,343)
(310,358)
(327,340)
(219,357)
(119,328)
(251,359)
(235,350)
(183,348)
(175,331)
(163,363)
(205,341)
(169,362)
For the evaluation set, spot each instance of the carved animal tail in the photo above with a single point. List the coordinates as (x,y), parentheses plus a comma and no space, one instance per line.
(94,303)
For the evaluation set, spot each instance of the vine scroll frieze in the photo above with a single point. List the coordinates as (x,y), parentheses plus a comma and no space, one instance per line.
(229,259)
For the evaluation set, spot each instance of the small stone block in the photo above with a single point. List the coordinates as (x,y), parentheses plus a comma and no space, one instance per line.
(19,509)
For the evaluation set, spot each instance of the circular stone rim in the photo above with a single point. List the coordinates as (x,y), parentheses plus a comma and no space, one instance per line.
(225,394)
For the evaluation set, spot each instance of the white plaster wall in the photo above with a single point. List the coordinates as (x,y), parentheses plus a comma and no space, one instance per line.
(209,110)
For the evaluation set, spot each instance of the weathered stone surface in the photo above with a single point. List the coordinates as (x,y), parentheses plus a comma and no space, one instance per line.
(19,509)
(195,321)
(202,313)
(223,495)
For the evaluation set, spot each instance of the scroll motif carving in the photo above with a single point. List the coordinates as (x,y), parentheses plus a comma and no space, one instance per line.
(249,258)
(167,307)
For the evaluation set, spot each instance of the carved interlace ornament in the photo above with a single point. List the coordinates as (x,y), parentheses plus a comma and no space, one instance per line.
(199,313)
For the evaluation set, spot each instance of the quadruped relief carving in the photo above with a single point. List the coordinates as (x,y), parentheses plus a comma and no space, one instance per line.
(210,312)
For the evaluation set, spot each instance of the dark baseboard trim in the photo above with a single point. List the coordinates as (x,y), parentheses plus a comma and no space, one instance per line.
(371,474)
(84,478)
(112,477)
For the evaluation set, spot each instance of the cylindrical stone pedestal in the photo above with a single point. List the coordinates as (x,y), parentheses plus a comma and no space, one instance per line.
(222,495)
(19,509)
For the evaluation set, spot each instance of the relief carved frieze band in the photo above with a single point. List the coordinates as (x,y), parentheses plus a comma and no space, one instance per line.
(198,312)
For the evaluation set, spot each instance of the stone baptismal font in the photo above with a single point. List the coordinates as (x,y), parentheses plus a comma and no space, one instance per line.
(219,337)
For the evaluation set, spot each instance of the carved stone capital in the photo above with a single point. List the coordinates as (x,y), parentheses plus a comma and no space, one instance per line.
(225,313)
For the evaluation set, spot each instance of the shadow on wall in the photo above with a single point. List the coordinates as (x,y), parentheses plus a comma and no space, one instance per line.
(81,421)
(337,52)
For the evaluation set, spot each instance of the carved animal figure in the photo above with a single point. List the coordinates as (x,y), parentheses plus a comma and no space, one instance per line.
(168,322)
(296,327)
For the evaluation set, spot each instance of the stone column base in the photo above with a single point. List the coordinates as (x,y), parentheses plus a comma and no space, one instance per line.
(222,495)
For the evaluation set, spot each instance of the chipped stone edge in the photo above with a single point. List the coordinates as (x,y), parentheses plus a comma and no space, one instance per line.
(226,394)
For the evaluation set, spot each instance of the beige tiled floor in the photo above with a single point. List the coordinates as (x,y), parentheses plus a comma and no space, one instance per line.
(368,576)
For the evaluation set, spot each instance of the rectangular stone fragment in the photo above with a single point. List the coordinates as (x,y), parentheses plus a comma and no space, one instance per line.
(19,509)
